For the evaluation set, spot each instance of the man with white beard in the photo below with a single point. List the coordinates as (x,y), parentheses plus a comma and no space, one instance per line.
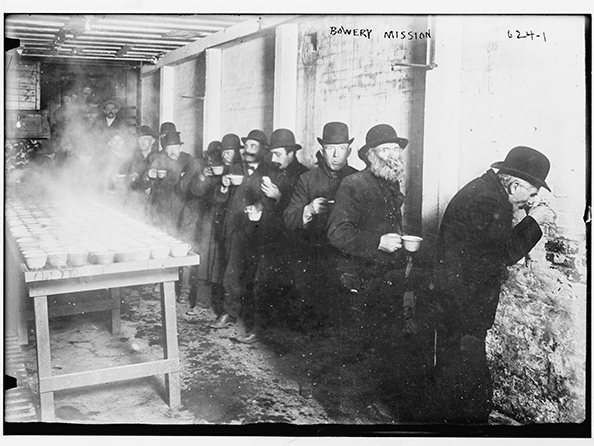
(366,227)
(366,222)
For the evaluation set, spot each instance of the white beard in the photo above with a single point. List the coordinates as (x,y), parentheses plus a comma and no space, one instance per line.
(390,169)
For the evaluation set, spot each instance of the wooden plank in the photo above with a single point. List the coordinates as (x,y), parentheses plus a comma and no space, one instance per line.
(44,359)
(112,268)
(170,348)
(107,375)
(77,284)
(116,300)
(235,32)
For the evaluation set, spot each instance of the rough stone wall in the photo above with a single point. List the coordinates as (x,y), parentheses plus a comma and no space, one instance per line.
(537,347)
(248,86)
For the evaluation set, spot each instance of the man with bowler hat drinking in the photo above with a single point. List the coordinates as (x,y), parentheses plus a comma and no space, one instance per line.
(307,215)
(477,242)
(274,278)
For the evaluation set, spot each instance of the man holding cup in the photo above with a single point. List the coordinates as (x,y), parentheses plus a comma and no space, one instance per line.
(477,242)
(366,227)
(307,215)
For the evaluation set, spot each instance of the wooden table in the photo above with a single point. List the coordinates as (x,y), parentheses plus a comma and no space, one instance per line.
(47,282)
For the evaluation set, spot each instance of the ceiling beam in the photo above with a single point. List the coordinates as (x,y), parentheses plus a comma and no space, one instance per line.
(193,50)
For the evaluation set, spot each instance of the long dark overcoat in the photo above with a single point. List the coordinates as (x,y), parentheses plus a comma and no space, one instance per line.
(366,208)
(476,244)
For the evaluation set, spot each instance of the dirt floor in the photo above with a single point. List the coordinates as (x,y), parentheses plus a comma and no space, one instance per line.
(318,378)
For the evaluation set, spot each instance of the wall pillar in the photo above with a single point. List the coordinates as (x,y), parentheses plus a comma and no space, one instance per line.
(442,137)
(212,97)
(166,95)
(285,77)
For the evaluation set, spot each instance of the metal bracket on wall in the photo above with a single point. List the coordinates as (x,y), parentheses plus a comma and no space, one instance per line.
(430,66)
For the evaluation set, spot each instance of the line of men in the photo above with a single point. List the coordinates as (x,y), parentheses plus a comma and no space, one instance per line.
(271,232)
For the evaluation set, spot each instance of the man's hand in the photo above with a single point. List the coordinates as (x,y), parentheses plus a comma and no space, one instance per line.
(542,214)
(152,172)
(318,206)
(207,172)
(390,242)
(226,181)
(270,189)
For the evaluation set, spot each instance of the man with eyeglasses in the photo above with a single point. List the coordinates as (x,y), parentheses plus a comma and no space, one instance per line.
(477,242)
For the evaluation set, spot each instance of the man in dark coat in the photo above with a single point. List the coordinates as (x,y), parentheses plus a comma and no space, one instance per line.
(477,242)
(137,199)
(366,222)
(241,239)
(366,227)
(208,241)
(166,169)
(307,215)
(274,277)
(110,119)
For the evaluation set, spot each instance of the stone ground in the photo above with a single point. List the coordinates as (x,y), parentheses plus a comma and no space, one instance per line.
(288,377)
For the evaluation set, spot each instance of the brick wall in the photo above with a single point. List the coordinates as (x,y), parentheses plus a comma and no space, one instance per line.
(188,103)
(353,79)
(248,86)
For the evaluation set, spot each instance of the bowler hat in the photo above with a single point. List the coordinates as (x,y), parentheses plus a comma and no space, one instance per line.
(526,163)
(167,127)
(214,151)
(283,138)
(145,130)
(110,101)
(256,135)
(170,139)
(381,134)
(230,142)
(335,133)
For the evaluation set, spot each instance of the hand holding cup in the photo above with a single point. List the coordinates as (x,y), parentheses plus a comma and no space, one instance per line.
(390,242)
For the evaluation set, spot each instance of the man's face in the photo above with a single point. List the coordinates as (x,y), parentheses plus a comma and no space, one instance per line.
(116,143)
(282,158)
(385,162)
(145,142)
(228,157)
(86,92)
(521,193)
(253,151)
(173,151)
(336,155)
(110,111)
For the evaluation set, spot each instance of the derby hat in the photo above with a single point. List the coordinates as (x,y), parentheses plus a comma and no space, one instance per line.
(170,139)
(335,133)
(167,127)
(145,130)
(526,163)
(230,142)
(214,152)
(283,138)
(256,135)
(214,147)
(110,101)
(381,134)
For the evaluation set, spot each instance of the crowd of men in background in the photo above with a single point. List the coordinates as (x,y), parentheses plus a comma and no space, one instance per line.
(283,244)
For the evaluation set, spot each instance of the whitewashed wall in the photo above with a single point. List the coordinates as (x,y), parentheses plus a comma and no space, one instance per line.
(491,92)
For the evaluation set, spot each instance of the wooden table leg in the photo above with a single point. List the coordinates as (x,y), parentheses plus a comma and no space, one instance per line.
(115,294)
(169,319)
(44,358)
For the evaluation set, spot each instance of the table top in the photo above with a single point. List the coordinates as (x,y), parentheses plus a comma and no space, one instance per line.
(108,241)
(112,268)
